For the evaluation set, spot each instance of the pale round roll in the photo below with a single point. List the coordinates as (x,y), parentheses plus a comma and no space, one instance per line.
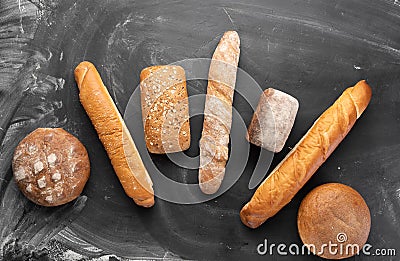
(51,166)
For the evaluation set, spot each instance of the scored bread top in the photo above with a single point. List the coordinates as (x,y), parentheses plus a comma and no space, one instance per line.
(51,166)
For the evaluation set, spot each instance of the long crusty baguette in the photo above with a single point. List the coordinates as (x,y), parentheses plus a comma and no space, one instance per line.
(310,152)
(114,135)
(218,113)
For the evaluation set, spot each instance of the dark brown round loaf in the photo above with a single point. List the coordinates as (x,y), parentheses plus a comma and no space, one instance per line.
(51,166)
(332,214)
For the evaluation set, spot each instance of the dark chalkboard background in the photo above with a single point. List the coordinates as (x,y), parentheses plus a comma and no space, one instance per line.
(310,49)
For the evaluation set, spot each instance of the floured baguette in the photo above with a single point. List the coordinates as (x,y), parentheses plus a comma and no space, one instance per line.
(218,113)
(114,135)
(307,156)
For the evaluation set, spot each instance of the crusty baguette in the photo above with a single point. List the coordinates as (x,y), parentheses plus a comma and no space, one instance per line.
(218,113)
(310,152)
(165,108)
(114,135)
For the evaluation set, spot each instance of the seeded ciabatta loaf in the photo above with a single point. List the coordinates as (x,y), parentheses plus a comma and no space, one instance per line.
(51,166)
(165,109)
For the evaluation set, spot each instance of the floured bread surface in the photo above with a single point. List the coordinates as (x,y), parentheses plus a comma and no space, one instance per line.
(273,120)
(165,108)
(218,113)
(51,166)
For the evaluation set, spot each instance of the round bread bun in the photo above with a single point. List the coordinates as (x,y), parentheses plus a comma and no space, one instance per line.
(51,166)
(334,214)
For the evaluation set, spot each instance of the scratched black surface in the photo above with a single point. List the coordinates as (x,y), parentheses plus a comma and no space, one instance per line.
(310,49)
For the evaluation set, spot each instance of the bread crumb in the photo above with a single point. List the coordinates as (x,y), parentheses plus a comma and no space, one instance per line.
(52,159)
(56,176)
(20,174)
(32,149)
(17,154)
(49,198)
(38,167)
(29,188)
(73,168)
(41,182)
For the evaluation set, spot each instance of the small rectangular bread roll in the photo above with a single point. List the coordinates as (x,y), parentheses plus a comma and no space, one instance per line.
(165,109)
(273,120)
